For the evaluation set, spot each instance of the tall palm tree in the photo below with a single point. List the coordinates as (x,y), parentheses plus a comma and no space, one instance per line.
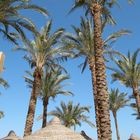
(117,101)
(99,10)
(128,73)
(40,52)
(11,17)
(82,43)
(51,87)
(72,115)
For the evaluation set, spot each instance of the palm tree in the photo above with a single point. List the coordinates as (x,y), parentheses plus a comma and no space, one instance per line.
(82,43)
(72,115)
(117,101)
(11,17)
(128,73)
(41,52)
(99,10)
(51,87)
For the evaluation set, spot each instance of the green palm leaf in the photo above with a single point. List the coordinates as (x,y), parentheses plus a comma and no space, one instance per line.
(72,115)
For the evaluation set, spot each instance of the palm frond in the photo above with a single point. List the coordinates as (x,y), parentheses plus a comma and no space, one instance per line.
(4,83)
(11,17)
(117,100)
(72,115)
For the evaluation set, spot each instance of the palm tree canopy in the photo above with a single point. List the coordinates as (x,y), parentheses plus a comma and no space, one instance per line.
(3,83)
(117,100)
(72,115)
(52,83)
(10,16)
(87,5)
(43,50)
(83,40)
(106,5)
(128,71)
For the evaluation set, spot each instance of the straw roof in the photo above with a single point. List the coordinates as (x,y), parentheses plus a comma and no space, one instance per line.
(55,131)
(11,136)
(134,137)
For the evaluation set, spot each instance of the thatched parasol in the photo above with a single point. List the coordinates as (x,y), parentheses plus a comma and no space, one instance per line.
(11,136)
(134,137)
(55,131)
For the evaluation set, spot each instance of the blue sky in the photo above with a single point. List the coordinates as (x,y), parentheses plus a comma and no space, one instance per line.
(14,101)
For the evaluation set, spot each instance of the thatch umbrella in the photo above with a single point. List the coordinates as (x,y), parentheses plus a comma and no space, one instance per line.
(134,137)
(11,136)
(55,131)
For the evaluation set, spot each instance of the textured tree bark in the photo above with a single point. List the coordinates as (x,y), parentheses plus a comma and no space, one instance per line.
(32,103)
(101,84)
(116,125)
(45,105)
(92,69)
(137,98)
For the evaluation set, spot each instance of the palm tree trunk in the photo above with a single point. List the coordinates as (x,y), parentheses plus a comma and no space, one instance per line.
(32,103)
(137,97)
(100,72)
(116,125)
(85,135)
(91,61)
(45,105)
